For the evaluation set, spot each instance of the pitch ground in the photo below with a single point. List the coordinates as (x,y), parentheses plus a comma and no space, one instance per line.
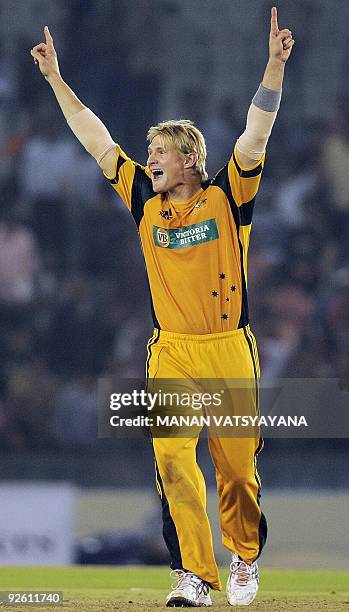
(102,589)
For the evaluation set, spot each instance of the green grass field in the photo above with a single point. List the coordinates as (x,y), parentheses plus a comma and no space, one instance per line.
(97,589)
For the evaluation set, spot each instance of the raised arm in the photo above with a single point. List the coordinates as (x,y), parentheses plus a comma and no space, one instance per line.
(265,104)
(89,130)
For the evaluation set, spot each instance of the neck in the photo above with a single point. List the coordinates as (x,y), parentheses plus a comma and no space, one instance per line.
(185,191)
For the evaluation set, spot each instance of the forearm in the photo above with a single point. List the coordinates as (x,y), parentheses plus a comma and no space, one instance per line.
(66,98)
(274,74)
(260,120)
(85,125)
(262,113)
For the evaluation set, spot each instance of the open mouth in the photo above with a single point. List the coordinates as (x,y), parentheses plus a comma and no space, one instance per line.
(156,174)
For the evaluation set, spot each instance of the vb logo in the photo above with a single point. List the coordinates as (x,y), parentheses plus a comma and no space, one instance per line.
(163,237)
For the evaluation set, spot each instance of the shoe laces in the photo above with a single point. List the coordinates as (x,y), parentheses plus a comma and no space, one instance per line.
(185,579)
(243,572)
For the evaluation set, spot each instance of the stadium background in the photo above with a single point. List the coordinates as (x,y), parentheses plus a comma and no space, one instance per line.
(73,295)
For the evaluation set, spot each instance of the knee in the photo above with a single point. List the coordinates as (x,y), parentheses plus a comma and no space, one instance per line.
(171,470)
(242,481)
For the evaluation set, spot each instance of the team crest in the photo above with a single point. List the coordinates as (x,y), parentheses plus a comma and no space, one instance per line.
(201,204)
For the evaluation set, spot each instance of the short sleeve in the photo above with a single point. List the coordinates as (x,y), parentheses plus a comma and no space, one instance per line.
(244,183)
(132,183)
(123,176)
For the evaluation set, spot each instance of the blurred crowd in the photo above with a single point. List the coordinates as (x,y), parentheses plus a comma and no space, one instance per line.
(73,293)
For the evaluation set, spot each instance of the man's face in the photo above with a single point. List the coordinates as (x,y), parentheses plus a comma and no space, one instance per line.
(166,165)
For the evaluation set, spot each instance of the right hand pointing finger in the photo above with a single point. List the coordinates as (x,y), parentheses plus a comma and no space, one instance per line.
(39,48)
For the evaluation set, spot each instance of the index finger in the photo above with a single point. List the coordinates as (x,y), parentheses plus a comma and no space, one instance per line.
(274,27)
(48,37)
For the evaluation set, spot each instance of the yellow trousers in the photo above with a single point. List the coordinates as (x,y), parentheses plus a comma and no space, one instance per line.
(180,482)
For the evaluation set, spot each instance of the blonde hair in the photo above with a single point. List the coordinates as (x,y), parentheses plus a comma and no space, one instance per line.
(185,137)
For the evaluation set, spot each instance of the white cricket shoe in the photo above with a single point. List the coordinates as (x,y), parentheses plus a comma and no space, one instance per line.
(242,585)
(190,591)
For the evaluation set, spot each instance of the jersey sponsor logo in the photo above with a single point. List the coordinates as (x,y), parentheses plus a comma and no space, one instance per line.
(162,237)
(183,237)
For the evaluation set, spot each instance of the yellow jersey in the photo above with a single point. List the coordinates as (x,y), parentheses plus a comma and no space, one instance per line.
(195,251)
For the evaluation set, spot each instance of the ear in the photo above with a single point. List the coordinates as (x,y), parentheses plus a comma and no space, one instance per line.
(190,160)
